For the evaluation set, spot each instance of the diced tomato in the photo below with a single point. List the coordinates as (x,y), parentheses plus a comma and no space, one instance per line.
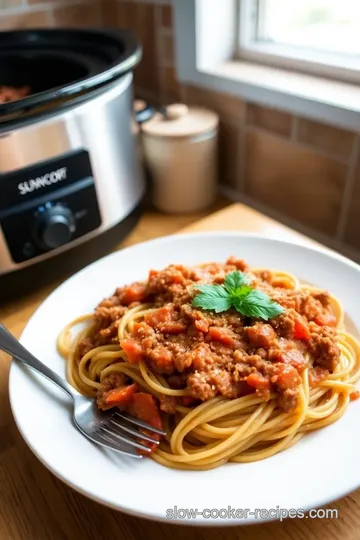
(223,335)
(188,401)
(133,293)
(281,284)
(172,327)
(121,395)
(144,407)
(286,377)
(258,381)
(301,329)
(354,395)
(202,326)
(142,330)
(326,319)
(133,350)
(161,315)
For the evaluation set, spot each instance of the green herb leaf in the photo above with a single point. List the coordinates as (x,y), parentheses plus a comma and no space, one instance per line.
(237,293)
(258,304)
(235,280)
(212,297)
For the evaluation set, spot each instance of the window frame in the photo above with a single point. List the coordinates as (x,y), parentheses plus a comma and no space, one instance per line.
(336,66)
(206,38)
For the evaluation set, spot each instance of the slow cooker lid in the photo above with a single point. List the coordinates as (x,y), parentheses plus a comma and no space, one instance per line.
(61,64)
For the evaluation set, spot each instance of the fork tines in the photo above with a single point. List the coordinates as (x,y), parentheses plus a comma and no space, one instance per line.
(139,423)
(117,429)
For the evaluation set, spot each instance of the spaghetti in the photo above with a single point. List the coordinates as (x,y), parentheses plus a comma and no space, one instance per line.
(230,387)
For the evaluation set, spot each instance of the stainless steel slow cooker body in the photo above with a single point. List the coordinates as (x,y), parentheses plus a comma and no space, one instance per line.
(69,175)
(103,128)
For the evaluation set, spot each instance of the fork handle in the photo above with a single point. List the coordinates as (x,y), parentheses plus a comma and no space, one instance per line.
(12,346)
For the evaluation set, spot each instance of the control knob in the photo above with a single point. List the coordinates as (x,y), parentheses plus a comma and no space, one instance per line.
(54,227)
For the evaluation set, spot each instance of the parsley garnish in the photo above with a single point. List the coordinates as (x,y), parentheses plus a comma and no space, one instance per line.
(237,293)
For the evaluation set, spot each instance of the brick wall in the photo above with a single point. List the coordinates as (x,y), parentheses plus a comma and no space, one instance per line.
(304,171)
(49,13)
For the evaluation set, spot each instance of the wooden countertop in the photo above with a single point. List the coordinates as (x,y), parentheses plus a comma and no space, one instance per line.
(34,505)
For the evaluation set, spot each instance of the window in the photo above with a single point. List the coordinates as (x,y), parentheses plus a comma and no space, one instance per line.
(301,56)
(316,36)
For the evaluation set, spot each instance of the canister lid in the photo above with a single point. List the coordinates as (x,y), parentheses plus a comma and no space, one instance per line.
(179,120)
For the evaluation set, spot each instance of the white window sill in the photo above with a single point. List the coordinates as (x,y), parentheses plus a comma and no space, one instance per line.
(204,37)
(314,97)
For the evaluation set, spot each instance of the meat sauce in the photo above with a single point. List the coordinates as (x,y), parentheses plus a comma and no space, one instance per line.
(11,93)
(224,354)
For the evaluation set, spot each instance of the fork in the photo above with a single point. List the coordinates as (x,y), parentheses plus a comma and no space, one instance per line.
(111,429)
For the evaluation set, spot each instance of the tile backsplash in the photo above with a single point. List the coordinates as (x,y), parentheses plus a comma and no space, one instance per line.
(305,172)
(49,13)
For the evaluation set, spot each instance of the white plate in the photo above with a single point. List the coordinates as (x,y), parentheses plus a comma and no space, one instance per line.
(322,467)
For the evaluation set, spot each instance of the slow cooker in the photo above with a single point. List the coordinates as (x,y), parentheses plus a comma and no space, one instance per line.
(71,183)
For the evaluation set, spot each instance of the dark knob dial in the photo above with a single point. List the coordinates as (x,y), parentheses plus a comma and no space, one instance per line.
(55,227)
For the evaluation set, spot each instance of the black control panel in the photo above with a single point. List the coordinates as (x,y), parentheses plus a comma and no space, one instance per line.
(48,205)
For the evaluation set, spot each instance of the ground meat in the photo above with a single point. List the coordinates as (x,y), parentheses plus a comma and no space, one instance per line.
(216,380)
(239,355)
(114,380)
(108,318)
(284,323)
(311,308)
(323,297)
(288,352)
(131,294)
(256,375)
(109,333)
(288,400)
(287,380)
(197,358)
(219,354)
(239,264)
(316,375)
(199,386)
(84,346)
(265,275)
(257,362)
(240,371)
(160,281)
(263,353)
(295,358)
(168,404)
(324,349)
(305,302)
(192,313)
(222,380)
(162,360)
(285,376)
